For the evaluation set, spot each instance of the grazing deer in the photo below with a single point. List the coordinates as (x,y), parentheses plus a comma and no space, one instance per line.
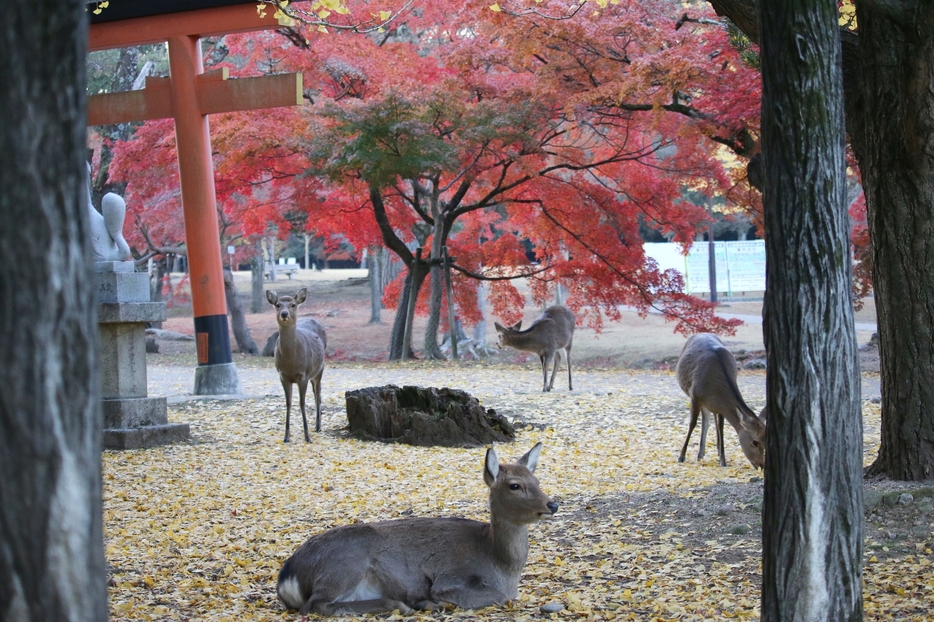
(422,563)
(548,337)
(299,355)
(707,374)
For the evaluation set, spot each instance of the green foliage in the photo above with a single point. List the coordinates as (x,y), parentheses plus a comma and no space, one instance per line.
(748,51)
(380,141)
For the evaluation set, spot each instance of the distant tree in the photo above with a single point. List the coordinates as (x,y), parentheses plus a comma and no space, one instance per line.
(52,562)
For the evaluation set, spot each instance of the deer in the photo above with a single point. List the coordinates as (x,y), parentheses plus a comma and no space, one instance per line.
(299,355)
(548,337)
(706,371)
(423,563)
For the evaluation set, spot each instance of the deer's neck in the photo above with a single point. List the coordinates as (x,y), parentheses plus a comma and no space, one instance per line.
(524,341)
(510,544)
(287,331)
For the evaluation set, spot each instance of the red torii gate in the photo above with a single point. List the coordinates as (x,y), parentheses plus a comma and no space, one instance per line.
(188,96)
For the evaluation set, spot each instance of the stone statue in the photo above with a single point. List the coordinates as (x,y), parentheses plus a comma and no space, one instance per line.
(107,229)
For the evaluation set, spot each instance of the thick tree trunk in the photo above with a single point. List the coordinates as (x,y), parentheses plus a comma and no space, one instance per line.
(238,323)
(896,153)
(397,335)
(432,348)
(51,536)
(889,82)
(374,273)
(257,267)
(813,501)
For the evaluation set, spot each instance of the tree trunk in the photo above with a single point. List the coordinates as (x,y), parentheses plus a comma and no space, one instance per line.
(889,84)
(257,267)
(813,500)
(374,270)
(894,147)
(432,348)
(237,319)
(397,336)
(51,536)
(712,263)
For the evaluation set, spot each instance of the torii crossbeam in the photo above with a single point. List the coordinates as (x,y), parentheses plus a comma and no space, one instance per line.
(188,96)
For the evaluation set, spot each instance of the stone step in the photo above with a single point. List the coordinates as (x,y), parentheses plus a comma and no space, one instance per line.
(146,436)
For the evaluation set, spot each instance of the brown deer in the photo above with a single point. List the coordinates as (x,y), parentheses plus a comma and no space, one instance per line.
(707,374)
(548,337)
(422,563)
(299,355)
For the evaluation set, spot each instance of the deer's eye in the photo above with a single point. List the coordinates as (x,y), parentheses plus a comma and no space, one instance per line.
(514,486)
(755,443)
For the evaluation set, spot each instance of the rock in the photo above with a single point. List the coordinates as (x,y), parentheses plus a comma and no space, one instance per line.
(551,608)
(757,363)
(740,530)
(871,499)
(906,498)
(723,510)
(424,416)
(270,348)
(151,346)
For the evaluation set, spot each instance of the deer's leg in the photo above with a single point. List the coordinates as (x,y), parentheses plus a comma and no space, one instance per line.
(302,389)
(720,449)
(567,354)
(705,422)
(376,605)
(316,388)
(695,411)
(287,386)
(544,361)
(554,361)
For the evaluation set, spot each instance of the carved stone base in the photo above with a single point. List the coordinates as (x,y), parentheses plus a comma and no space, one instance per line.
(146,436)
(217,380)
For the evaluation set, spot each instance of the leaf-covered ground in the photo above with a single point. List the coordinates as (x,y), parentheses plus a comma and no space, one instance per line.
(198,531)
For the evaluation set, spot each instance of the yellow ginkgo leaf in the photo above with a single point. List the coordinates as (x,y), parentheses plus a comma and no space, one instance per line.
(495,7)
(384,15)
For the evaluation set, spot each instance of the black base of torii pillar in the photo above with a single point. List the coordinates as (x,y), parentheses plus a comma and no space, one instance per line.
(188,96)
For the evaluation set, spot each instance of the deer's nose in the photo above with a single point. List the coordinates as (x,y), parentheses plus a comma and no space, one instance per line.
(284,315)
(552,506)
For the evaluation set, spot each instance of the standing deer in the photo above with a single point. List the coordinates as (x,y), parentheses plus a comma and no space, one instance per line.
(422,563)
(299,355)
(707,374)
(548,337)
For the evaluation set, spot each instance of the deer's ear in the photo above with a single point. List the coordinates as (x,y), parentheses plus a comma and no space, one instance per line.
(764,413)
(490,467)
(272,297)
(499,327)
(530,459)
(301,295)
(516,326)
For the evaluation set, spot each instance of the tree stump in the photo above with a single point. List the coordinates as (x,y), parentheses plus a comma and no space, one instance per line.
(425,417)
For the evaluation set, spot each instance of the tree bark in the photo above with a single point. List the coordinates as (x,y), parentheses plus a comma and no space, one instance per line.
(257,267)
(51,537)
(374,273)
(895,147)
(889,96)
(238,323)
(813,501)
(432,348)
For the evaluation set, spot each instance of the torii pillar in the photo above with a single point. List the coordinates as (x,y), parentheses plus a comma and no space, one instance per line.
(188,96)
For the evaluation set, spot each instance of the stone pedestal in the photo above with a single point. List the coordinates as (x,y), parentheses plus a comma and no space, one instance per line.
(132,420)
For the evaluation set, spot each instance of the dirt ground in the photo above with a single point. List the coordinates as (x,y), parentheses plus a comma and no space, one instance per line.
(340,299)
(721,522)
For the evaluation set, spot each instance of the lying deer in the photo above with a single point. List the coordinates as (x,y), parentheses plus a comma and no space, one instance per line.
(299,355)
(548,337)
(422,563)
(707,374)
